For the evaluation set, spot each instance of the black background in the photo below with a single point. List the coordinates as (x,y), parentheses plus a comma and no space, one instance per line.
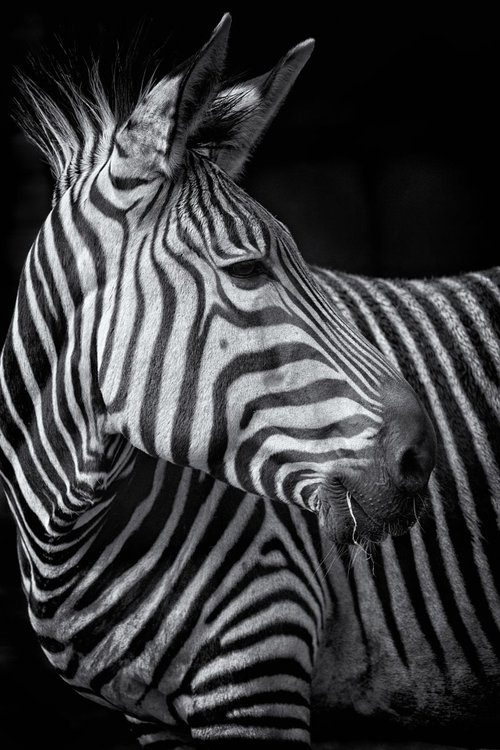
(384,160)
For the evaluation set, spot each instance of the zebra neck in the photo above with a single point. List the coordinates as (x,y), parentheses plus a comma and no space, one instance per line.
(53,445)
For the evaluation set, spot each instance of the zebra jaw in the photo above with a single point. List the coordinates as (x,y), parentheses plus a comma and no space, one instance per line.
(346,512)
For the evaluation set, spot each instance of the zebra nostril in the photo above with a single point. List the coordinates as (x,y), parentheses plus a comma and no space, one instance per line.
(411,468)
(409,465)
(410,452)
(409,440)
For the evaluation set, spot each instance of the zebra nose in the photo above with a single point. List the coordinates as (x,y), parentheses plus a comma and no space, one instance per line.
(409,440)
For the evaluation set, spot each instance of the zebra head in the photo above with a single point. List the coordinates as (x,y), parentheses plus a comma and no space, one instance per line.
(215,348)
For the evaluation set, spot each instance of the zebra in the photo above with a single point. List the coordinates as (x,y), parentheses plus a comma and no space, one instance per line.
(160,579)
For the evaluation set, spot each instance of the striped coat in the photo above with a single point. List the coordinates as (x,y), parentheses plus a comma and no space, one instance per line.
(205,614)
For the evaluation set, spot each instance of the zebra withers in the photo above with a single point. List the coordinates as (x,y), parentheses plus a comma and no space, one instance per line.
(163,312)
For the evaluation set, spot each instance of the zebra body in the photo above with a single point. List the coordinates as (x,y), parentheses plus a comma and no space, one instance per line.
(170,352)
(235,618)
(406,636)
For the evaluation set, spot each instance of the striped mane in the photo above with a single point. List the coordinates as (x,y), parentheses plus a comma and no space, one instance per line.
(74,127)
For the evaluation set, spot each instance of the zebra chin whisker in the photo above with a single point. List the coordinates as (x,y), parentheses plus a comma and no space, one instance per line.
(335,557)
(333,549)
(351,512)
(361,546)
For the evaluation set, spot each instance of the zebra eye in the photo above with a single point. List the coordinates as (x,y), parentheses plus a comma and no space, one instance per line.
(246,269)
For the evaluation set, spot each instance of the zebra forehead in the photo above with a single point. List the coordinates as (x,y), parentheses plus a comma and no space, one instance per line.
(227,215)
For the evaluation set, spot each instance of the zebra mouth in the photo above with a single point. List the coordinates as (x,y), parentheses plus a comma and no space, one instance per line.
(343,512)
(354,523)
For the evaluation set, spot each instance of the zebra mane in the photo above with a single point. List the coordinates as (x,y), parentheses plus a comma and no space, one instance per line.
(74,124)
(67,122)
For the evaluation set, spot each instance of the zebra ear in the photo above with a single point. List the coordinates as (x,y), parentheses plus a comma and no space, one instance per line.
(247,109)
(154,137)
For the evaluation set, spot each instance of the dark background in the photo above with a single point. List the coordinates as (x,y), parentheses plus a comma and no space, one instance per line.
(384,160)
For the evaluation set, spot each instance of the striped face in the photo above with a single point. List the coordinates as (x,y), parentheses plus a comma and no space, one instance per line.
(220,352)
(211,344)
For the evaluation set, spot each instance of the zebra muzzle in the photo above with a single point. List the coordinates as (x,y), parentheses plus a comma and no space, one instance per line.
(352,511)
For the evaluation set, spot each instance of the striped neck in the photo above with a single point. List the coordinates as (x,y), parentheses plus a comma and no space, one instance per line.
(57,461)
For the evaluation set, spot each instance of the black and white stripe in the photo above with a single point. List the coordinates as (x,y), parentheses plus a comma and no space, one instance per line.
(421,617)
(169,352)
